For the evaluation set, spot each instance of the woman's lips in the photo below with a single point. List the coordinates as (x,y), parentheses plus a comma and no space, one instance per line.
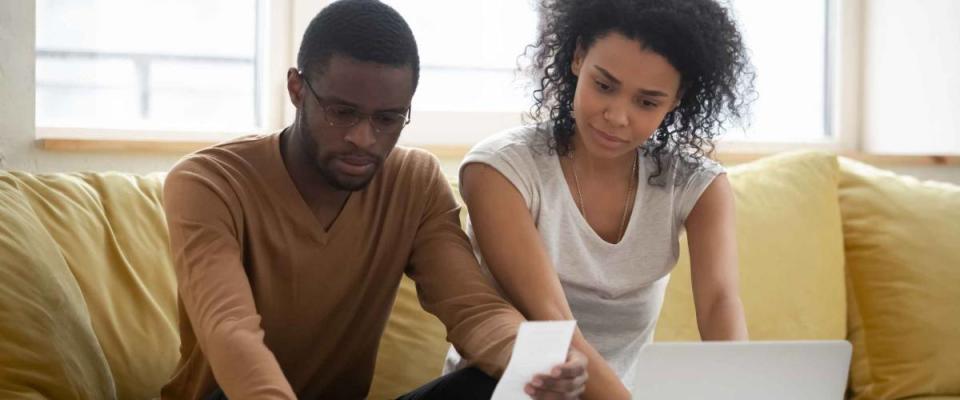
(608,140)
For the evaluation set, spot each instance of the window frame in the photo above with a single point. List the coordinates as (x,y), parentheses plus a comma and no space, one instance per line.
(842,92)
(286,19)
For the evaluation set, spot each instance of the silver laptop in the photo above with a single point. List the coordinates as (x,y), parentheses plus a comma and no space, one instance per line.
(807,370)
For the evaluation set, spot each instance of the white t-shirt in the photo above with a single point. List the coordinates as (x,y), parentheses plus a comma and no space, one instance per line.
(615,291)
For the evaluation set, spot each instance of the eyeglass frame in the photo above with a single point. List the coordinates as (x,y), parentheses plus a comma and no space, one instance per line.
(357,114)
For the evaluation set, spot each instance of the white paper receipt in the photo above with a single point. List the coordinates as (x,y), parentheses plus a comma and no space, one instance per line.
(540,346)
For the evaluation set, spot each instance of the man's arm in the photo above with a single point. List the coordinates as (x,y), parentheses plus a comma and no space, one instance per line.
(480,324)
(213,286)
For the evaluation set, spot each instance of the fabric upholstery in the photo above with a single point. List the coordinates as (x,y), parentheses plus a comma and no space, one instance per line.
(48,348)
(109,230)
(790,249)
(903,266)
(88,299)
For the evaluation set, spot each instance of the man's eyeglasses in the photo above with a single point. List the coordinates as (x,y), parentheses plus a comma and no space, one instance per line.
(344,116)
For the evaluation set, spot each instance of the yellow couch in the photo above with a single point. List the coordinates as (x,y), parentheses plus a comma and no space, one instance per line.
(829,250)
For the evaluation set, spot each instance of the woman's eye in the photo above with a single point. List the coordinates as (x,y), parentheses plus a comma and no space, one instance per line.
(647,103)
(603,86)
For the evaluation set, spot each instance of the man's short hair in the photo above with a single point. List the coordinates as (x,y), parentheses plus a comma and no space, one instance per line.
(365,30)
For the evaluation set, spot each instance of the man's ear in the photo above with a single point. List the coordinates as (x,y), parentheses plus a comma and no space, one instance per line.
(295,87)
(578,55)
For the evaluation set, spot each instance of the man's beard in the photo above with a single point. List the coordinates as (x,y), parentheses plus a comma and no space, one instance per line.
(341,183)
(324,165)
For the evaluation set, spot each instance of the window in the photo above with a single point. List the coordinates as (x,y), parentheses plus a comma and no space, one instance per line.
(787,41)
(469,52)
(149,65)
(470,56)
(190,65)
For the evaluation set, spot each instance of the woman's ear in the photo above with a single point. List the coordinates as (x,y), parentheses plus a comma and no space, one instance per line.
(578,55)
(679,99)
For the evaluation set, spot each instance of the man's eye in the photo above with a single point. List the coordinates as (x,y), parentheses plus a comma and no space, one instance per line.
(343,111)
(388,119)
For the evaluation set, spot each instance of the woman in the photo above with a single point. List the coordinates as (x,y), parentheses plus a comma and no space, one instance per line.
(578,216)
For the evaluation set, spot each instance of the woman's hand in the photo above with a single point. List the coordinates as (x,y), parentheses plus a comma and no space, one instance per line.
(565,381)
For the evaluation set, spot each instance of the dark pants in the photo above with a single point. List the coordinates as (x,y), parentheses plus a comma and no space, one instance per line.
(465,384)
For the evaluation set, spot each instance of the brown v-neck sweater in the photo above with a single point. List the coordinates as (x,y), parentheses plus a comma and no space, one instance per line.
(272,306)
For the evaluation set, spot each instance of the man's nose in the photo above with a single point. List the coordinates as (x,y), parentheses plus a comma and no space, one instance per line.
(362,134)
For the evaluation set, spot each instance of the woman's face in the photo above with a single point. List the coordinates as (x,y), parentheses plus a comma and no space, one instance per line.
(623,93)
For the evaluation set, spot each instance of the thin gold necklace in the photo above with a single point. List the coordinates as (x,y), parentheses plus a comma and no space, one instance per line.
(626,202)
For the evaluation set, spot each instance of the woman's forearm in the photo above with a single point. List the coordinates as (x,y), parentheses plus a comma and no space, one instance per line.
(602,382)
(723,319)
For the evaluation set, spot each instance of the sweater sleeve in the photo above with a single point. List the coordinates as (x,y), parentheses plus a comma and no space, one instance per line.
(480,324)
(204,222)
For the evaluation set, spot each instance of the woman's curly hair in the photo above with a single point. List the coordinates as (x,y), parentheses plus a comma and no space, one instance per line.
(697,37)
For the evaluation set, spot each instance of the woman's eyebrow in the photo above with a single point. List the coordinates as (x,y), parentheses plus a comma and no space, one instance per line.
(645,92)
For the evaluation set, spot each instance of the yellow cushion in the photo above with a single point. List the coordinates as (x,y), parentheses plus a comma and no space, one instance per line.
(904,270)
(791,253)
(112,235)
(412,349)
(47,345)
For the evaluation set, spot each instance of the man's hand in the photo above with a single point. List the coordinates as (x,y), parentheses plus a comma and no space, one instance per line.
(565,381)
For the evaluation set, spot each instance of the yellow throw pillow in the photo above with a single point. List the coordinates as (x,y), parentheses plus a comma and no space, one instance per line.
(48,349)
(903,266)
(111,232)
(791,253)
(412,348)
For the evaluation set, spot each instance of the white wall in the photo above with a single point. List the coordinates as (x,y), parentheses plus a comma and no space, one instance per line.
(911,81)
(912,76)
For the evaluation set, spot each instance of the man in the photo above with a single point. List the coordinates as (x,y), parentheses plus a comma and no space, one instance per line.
(289,247)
